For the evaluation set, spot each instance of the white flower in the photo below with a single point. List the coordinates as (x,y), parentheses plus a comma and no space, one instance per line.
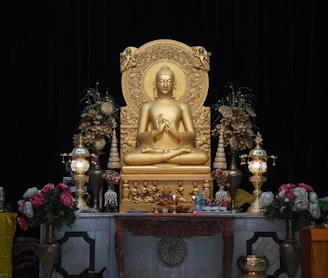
(300,192)
(281,194)
(30,192)
(301,203)
(266,199)
(314,197)
(28,209)
(314,210)
(324,199)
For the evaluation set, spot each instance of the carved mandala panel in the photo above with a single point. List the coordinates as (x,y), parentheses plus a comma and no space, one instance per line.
(172,251)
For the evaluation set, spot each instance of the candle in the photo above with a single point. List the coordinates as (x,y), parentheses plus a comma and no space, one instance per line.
(194,199)
(174,197)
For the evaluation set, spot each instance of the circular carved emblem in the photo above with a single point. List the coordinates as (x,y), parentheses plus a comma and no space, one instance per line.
(172,251)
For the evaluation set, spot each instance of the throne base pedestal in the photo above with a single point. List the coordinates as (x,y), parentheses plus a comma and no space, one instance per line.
(141,184)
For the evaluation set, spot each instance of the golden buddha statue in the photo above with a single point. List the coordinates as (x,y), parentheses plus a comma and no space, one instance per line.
(166,132)
(165,127)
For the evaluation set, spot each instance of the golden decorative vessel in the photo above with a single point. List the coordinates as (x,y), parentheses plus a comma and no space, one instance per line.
(49,252)
(253,266)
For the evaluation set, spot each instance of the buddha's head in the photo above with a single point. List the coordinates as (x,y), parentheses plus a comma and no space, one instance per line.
(164,82)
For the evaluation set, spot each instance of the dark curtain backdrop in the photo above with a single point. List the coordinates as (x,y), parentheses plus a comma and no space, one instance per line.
(55,49)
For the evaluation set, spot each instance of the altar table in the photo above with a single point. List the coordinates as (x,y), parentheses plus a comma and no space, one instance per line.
(7,232)
(95,238)
(176,226)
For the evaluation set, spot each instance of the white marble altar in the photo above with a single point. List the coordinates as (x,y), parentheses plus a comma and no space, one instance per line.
(91,244)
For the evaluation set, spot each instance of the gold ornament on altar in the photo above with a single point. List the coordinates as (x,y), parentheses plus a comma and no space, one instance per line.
(257,165)
(98,119)
(235,122)
(253,266)
(79,165)
(235,119)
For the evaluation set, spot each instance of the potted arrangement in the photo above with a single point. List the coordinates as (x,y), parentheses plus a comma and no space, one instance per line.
(234,126)
(53,206)
(299,206)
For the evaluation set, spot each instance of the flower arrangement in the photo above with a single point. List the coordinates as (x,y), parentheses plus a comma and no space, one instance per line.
(236,119)
(111,176)
(298,202)
(98,119)
(222,177)
(50,205)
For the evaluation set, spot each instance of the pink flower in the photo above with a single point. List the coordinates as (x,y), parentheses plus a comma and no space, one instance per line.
(50,205)
(66,199)
(22,223)
(38,200)
(21,204)
(307,187)
(298,202)
(63,186)
(286,187)
(48,187)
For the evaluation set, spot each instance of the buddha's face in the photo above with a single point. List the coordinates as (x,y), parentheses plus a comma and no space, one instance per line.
(165,83)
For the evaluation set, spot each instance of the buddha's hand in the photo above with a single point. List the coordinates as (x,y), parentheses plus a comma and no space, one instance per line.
(172,129)
(160,124)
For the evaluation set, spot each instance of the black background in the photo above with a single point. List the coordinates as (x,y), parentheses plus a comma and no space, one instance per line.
(54,49)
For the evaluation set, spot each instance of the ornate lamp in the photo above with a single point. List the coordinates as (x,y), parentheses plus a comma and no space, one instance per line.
(80,165)
(257,165)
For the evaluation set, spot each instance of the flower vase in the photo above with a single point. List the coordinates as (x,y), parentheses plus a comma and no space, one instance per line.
(234,181)
(96,182)
(290,251)
(49,252)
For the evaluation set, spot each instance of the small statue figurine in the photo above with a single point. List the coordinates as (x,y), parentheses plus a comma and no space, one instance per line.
(127,58)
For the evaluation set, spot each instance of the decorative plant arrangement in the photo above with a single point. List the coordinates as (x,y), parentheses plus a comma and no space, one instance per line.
(111,176)
(236,119)
(98,119)
(51,205)
(298,202)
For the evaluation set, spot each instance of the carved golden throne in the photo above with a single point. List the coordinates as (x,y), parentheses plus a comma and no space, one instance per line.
(138,68)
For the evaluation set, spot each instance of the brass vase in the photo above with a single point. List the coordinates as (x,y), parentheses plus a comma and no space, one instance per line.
(290,251)
(253,266)
(235,179)
(49,252)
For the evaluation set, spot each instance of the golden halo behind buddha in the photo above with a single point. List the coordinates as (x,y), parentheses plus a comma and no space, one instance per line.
(138,78)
